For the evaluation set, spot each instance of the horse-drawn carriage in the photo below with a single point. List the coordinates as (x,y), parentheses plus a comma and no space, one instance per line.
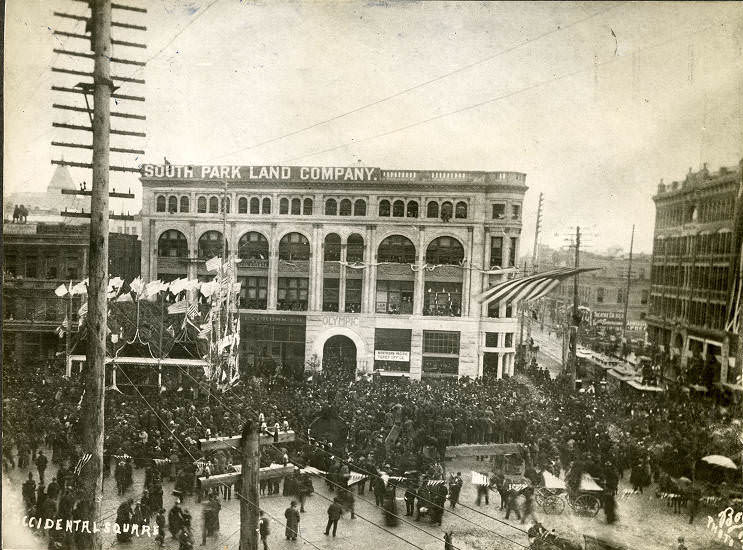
(553,493)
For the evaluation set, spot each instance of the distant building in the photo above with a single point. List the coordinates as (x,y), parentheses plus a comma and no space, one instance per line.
(378,268)
(37,258)
(694,266)
(604,292)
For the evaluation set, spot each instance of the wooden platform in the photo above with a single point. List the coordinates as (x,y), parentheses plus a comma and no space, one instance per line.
(492,449)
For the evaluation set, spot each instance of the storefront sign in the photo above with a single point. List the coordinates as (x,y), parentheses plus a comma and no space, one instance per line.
(388,355)
(262,173)
(608,318)
(339,321)
(258,318)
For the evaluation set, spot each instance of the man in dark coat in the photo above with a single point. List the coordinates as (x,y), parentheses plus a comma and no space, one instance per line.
(292,521)
(334,514)
(29,492)
(41,462)
(175,519)
(124,516)
(455,487)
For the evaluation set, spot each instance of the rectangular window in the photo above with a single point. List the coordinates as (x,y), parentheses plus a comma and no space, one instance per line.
(442,299)
(31,267)
(509,340)
(292,293)
(440,353)
(353,295)
(499,211)
(392,349)
(620,295)
(512,252)
(515,211)
(395,297)
(496,251)
(600,295)
(491,339)
(253,292)
(330,294)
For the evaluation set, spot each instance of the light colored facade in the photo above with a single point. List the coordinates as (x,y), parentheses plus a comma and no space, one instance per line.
(380,266)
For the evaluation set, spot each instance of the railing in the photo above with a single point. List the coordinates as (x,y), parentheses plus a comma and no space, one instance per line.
(404,308)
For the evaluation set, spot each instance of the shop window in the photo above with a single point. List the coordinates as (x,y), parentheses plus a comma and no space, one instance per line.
(440,353)
(432,210)
(331,207)
(185,204)
(292,293)
(345,208)
(359,207)
(394,297)
(160,203)
(392,349)
(266,206)
(384,208)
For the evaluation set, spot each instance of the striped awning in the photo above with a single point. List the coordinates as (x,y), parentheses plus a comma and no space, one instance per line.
(531,287)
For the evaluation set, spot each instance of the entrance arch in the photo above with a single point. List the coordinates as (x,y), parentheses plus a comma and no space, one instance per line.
(350,340)
(339,353)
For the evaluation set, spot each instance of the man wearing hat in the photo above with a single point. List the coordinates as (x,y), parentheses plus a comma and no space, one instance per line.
(292,521)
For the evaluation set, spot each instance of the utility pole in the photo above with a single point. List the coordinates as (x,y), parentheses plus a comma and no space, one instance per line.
(68,332)
(537,231)
(522,305)
(91,476)
(629,282)
(249,486)
(576,314)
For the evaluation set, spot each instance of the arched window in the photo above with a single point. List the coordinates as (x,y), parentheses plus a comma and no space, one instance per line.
(266,206)
(242,205)
(396,249)
(345,208)
(432,210)
(213,205)
(255,205)
(332,248)
(296,207)
(384,208)
(398,209)
(210,245)
(307,211)
(201,205)
(172,204)
(355,248)
(446,211)
(461,210)
(294,246)
(172,244)
(160,206)
(225,204)
(331,207)
(412,209)
(359,207)
(284,206)
(185,204)
(252,246)
(445,250)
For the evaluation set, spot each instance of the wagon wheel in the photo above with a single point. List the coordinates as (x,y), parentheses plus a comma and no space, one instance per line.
(553,505)
(587,505)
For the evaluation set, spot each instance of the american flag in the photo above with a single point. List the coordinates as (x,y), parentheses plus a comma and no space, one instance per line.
(82,462)
(178,307)
(192,311)
(531,287)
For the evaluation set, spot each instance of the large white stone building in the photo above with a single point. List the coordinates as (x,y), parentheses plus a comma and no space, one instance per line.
(379,268)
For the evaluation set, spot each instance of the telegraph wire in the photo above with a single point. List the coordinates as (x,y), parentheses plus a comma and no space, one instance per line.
(417,86)
(498,98)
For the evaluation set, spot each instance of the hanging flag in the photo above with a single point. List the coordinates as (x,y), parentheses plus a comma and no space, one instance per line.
(192,311)
(170,331)
(125,297)
(80,288)
(83,311)
(178,307)
(213,264)
(176,287)
(528,288)
(208,288)
(61,290)
(82,462)
(136,286)
(236,287)
(479,479)
(153,288)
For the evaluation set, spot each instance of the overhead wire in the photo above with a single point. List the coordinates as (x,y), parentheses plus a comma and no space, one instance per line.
(420,84)
(506,95)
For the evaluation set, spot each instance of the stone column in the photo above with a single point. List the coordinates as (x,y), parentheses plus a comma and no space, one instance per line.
(342,279)
(500,365)
(725,352)
(370,273)
(273,268)
(418,290)
(192,270)
(316,270)
(468,273)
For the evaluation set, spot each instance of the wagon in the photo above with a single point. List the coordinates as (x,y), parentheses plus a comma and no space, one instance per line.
(553,494)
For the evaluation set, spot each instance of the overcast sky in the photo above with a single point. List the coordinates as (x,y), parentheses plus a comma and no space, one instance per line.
(595,102)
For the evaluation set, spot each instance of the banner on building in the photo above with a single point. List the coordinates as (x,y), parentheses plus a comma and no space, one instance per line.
(389,355)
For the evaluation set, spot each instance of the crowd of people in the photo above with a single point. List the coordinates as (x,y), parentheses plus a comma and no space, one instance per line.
(399,428)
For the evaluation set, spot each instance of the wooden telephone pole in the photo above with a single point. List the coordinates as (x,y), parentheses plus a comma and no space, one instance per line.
(91,476)
(629,283)
(576,315)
